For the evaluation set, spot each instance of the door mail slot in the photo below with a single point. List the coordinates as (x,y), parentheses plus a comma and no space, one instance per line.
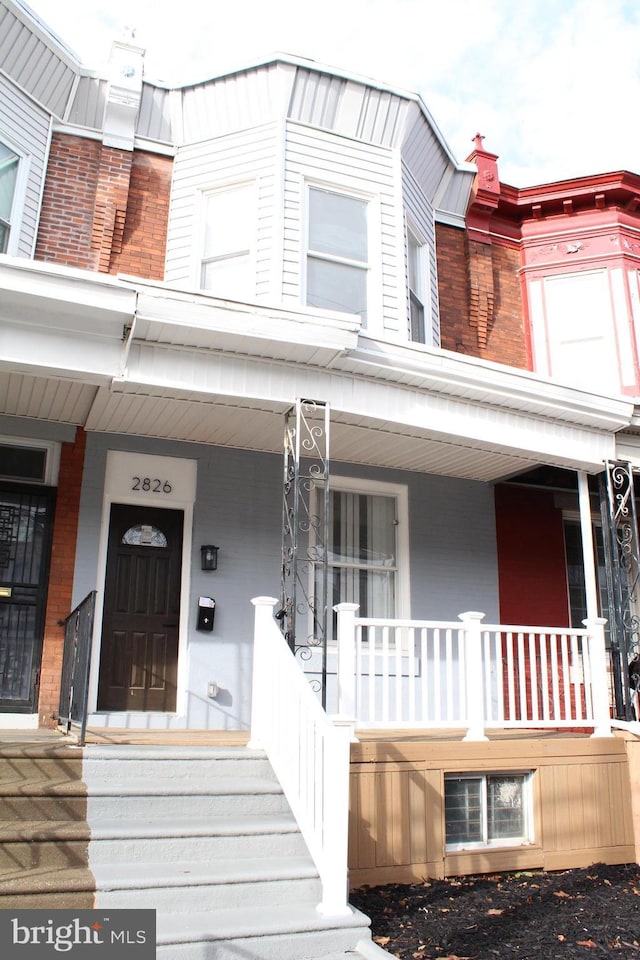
(5,591)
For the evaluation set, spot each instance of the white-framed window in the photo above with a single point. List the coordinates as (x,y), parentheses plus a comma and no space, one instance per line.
(337,251)
(226,264)
(418,284)
(29,461)
(367,549)
(9,168)
(486,810)
(577,342)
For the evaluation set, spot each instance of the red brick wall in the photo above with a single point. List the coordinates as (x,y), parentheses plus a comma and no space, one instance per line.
(531,560)
(481,312)
(105,209)
(144,240)
(66,220)
(63,553)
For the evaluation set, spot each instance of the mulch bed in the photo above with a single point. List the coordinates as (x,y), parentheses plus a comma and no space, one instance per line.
(568,914)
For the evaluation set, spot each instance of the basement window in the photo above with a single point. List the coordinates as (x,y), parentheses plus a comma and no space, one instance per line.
(487,810)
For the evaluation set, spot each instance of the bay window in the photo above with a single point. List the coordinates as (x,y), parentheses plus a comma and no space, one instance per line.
(337,252)
(417,282)
(9,162)
(229,229)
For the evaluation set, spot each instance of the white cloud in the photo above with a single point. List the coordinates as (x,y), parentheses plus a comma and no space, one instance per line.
(552,84)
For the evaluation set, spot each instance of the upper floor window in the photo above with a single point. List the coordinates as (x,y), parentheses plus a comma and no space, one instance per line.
(575,339)
(417,281)
(9,162)
(228,241)
(337,252)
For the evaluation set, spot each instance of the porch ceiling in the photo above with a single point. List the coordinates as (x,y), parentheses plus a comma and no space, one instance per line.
(254,424)
(257,425)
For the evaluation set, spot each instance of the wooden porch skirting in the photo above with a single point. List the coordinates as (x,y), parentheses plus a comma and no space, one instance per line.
(584,809)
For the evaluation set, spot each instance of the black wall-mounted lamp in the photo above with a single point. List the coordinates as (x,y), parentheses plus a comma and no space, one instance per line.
(209,556)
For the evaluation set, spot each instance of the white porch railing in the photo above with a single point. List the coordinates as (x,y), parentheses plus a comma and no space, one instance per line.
(427,673)
(308,752)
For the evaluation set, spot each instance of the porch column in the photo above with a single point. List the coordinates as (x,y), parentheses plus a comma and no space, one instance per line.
(473,675)
(588,554)
(599,681)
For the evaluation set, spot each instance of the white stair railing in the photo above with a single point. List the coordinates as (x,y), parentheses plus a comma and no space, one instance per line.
(309,753)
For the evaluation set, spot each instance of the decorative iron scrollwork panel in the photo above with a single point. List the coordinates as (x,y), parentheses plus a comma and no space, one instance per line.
(620,536)
(303,607)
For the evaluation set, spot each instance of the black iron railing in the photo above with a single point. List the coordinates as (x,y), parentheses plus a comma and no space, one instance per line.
(76,663)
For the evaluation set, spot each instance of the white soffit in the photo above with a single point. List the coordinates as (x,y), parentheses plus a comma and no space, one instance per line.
(41,398)
(257,424)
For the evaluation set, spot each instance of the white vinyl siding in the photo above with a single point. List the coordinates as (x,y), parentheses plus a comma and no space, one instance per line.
(323,159)
(420,219)
(221,164)
(423,153)
(25,130)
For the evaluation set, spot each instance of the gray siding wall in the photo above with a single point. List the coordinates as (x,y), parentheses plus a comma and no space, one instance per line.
(452,550)
(25,127)
(37,430)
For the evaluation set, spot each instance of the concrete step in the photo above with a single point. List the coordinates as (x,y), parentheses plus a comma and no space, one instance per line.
(208,886)
(287,932)
(50,854)
(40,806)
(118,764)
(39,886)
(161,841)
(203,797)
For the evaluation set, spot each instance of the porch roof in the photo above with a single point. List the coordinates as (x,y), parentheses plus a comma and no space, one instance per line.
(125,356)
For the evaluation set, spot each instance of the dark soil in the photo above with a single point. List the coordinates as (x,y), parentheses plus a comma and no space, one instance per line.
(586,914)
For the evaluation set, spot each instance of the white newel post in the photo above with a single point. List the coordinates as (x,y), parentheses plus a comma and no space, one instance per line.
(599,681)
(347,659)
(473,675)
(335,872)
(263,620)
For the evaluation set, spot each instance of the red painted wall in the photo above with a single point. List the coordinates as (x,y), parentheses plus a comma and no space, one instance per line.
(531,559)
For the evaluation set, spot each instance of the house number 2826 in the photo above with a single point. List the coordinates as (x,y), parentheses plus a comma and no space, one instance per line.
(151,485)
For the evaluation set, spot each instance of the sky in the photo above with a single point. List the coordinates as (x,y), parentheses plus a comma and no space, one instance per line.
(552,85)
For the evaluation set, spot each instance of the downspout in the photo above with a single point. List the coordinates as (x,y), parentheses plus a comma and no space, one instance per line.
(128,336)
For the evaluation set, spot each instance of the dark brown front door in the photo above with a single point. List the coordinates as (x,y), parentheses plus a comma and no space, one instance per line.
(139,651)
(26,519)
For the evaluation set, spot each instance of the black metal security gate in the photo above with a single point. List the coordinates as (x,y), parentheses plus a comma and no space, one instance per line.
(305,516)
(620,537)
(26,519)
